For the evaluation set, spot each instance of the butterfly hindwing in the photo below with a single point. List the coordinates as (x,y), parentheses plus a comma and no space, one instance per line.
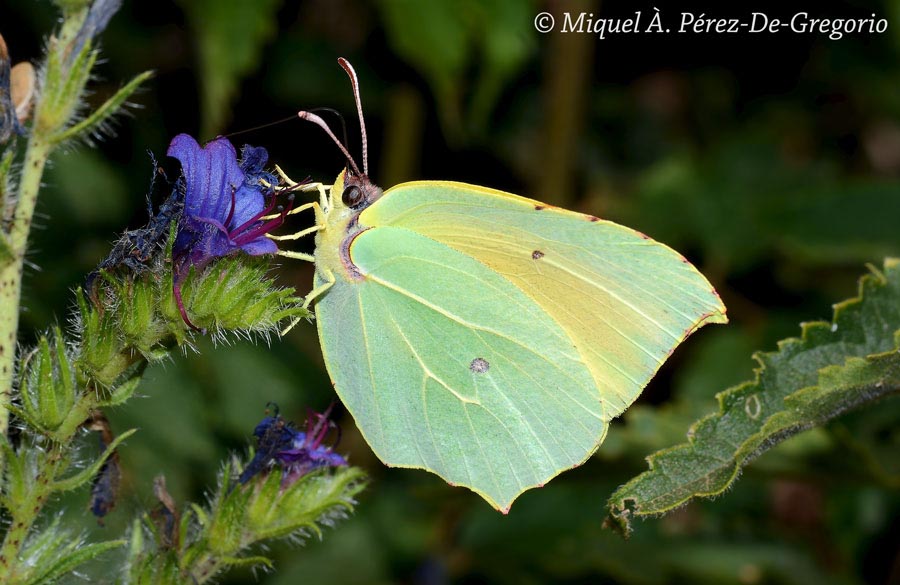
(447,366)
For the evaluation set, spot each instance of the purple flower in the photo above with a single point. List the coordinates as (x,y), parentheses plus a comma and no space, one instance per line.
(224,203)
(297,452)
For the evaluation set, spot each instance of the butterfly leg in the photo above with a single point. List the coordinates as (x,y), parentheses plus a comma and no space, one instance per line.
(293,186)
(296,255)
(287,180)
(311,296)
(290,182)
(320,221)
(319,224)
(319,290)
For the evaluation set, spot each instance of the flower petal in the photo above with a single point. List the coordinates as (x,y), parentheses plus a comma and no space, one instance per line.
(211,175)
(248,202)
(259,246)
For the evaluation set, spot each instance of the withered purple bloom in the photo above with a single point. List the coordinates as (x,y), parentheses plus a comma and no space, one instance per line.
(97,18)
(297,452)
(224,203)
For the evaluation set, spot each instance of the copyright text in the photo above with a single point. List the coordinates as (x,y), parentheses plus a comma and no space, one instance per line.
(655,22)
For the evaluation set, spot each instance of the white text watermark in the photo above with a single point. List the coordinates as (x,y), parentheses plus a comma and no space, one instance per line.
(655,22)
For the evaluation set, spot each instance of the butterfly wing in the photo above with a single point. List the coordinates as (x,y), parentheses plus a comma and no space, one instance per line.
(447,366)
(624,300)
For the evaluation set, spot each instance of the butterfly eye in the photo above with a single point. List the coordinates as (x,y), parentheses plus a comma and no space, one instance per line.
(352,196)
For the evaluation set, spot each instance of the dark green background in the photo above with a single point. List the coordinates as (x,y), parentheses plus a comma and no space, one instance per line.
(771,161)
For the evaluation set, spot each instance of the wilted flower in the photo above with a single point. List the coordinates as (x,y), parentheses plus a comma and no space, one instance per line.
(105,486)
(135,249)
(224,205)
(97,18)
(297,452)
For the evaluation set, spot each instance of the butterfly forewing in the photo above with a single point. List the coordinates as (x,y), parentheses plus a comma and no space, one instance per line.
(624,301)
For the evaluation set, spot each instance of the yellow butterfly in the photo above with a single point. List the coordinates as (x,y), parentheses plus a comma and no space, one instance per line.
(487,337)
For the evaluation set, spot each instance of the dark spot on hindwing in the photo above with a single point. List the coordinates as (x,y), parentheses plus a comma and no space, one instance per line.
(539,207)
(479,365)
(537,255)
(593,218)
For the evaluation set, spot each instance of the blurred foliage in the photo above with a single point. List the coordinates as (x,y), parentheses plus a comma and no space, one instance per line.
(463,47)
(229,37)
(771,161)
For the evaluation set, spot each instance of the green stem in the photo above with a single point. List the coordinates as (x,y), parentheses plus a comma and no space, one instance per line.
(24,515)
(19,526)
(38,149)
(204,569)
(11,273)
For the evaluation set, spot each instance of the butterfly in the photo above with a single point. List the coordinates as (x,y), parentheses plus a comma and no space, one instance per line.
(483,336)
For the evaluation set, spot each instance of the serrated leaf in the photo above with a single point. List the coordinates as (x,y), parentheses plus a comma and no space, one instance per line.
(832,368)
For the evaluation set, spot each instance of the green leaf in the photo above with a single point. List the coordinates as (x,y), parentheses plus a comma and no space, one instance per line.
(71,556)
(230,37)
(15,482)
(96,121)
(832,368)
(86,474)
(47,385)
(241,516)
(235,293)
(64,84)
(253,562)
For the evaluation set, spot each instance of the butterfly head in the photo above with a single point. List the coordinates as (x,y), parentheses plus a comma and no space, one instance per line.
(352,189)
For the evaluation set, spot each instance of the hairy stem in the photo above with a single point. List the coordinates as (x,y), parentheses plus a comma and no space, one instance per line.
(38,150)
(24,515)
(11,273)
(205,569)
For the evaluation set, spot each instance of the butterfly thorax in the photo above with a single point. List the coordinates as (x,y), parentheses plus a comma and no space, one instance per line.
(350,195)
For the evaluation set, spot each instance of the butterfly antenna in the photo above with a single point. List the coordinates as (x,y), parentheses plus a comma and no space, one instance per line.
(362,122)
(260,127)
(309,116)
(340,118)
